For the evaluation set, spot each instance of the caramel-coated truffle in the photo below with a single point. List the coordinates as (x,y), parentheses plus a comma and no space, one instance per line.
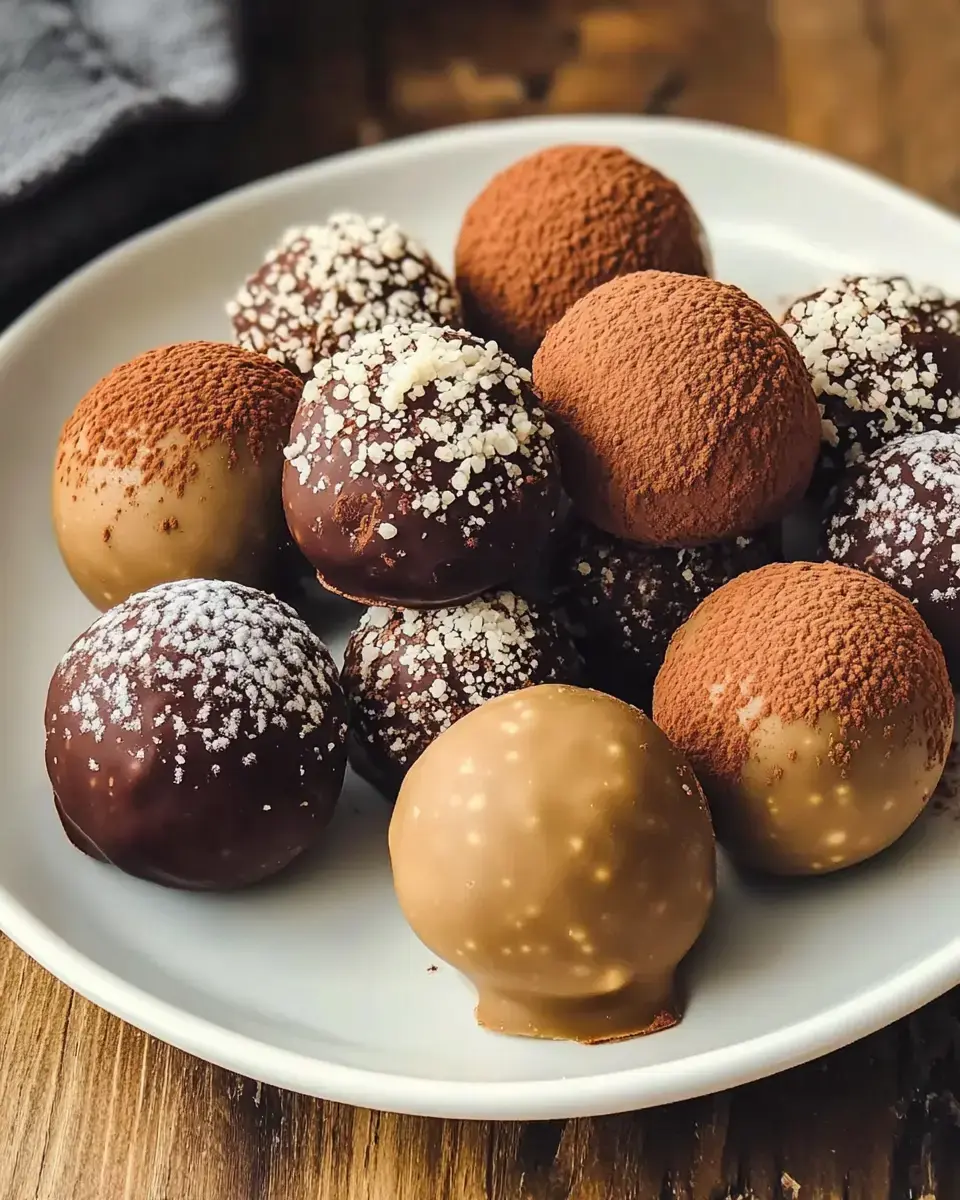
(815,707)
(196,736)
(554,225)
(684,413)
(622,602)
(554,847)
(884,358)
(410,673)
(421,470)
(170,468)
(897,516)
(324,284)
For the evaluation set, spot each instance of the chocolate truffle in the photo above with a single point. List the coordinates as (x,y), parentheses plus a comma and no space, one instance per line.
(555,848)
(553,226)
(685,414)
(815,707)
(196,736)
(170,468)
(622,602)
(898,516)
(884,358)
(420,471)
(410,673)
(324,284)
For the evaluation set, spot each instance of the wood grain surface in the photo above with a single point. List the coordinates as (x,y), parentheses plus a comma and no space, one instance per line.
(91,1109)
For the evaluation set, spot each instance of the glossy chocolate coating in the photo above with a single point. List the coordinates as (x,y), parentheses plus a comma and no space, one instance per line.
(897,516)
(410,674)
(420,471)
(623,602)
(196,736)
(555,848)
(324,284)
(884,357)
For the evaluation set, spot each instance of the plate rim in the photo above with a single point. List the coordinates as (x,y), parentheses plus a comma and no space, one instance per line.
(559,1097)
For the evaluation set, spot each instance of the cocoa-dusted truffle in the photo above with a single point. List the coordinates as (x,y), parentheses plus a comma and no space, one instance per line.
(170,468)
(196,736)
(884,358)
(555,848)
(684,412)
(622,602)
(409,674)
(324,284)
(815,707)
(421,471)
(898,516)
(553,226)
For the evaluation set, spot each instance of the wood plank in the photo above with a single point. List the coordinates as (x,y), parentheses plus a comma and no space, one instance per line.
(92,1109)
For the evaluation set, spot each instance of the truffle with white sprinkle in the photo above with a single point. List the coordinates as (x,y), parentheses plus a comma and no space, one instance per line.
(884,359)
(420,470)
(324,284)
(898,517)
(409,674)
(196,736)
(623,602)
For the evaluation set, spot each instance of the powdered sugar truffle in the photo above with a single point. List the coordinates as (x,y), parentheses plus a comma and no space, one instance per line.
(884,358)
(898,517)
(420,470)
(200,702)
(409,674)
(324,284)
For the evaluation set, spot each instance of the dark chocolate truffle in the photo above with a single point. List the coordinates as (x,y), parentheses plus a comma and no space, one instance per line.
(170,468)
(409,674)
(553,226)
(684,413)
(555,848)
(196,736)
(324,284)
(421,471)
(623,602)
(815,707)
(884,358)
(898,516)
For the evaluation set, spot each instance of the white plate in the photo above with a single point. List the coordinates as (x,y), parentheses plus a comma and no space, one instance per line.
(314,982)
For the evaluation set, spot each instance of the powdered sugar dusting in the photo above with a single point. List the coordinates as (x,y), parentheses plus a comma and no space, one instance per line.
(324,284)
(867,342)
(197,658)
(901,511)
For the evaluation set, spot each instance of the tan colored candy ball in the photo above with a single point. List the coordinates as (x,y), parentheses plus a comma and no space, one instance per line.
(556,849)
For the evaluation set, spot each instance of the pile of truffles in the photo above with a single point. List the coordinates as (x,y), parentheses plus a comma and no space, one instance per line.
(556,481)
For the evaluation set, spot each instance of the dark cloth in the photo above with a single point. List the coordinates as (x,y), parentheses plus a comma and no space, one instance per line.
(105,123)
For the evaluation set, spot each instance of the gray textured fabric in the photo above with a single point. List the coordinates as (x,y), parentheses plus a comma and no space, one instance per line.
(105,125)
(73,73)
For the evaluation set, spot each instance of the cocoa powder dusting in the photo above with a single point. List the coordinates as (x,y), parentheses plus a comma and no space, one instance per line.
(802,640)
(552,226)
(686,414)
(199,392)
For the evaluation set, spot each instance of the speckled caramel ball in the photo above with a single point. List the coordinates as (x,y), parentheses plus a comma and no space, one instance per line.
(170,468)
(555,848)
(815,707)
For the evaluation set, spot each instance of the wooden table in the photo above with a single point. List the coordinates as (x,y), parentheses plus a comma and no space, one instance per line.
(90,1109)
